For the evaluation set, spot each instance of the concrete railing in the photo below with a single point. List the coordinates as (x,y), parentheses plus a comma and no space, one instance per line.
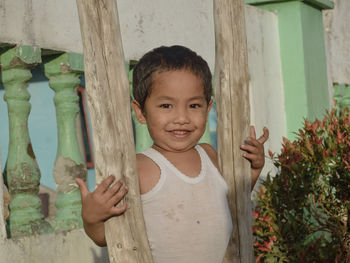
(27,236)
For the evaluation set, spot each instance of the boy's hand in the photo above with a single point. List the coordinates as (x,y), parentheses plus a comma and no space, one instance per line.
(100,205)
(255,152)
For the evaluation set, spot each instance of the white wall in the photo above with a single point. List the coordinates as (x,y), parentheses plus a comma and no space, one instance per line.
(337,38)
(337,35)
(266,87)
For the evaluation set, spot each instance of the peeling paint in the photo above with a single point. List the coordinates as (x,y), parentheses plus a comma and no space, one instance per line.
(65,68)
(23,178)
(7,199)
(17,62)
(65,171)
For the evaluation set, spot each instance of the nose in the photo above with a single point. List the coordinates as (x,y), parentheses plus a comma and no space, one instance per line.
(181,116)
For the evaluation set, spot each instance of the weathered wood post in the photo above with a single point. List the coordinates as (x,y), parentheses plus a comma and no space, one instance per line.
(108,97)
(232,97)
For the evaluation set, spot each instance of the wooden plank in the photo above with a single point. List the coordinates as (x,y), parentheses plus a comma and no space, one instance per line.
(107,92)
(232,97)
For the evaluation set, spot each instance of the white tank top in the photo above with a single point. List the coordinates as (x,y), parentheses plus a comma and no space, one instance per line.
(187,219)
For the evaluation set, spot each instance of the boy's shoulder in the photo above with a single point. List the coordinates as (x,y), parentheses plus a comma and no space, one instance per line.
(145,163)
(148,172)
(211,152)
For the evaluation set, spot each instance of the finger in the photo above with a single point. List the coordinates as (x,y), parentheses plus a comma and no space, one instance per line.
(84,191)
(249,148)
(104,185)
(118,196)
(252,132)
(263,138)
(118,210)
(251,141)
(250,157)
(114,189)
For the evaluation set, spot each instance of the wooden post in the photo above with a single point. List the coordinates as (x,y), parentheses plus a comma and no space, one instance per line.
(232,96)
(109,103)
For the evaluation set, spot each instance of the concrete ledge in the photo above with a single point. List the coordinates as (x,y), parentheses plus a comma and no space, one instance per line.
(69,247)
(319,4)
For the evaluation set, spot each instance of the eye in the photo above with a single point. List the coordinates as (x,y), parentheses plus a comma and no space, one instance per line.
(165,106)
(195,106)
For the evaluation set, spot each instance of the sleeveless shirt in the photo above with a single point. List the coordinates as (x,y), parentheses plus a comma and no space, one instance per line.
(187,218)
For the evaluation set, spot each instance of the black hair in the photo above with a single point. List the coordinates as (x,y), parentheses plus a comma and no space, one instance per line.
(166,59)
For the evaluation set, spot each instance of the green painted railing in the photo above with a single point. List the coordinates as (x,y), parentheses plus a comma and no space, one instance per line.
(22,173)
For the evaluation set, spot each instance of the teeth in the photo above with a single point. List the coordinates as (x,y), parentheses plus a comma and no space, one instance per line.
(179,132)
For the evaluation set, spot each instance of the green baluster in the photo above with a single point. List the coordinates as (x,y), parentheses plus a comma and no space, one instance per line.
(63,73)
(22,171)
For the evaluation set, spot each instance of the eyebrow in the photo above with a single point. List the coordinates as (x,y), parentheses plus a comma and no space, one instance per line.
(171,98)
(165,98)
(198,98)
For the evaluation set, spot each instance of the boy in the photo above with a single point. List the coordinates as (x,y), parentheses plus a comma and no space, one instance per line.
(183,194)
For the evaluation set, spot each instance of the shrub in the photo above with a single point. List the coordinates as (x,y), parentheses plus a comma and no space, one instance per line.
(302,214)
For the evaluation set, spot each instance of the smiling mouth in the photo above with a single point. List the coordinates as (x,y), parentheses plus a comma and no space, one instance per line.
(180,133)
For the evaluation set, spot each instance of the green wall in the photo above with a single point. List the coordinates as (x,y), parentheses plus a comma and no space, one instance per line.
(303,58)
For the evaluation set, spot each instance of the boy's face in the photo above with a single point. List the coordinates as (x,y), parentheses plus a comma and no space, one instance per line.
(176,110)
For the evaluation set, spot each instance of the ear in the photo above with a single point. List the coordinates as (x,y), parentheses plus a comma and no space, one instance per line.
(138,112)
(210,104)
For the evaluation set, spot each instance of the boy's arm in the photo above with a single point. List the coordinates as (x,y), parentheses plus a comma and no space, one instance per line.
(254,153)
(100,205)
